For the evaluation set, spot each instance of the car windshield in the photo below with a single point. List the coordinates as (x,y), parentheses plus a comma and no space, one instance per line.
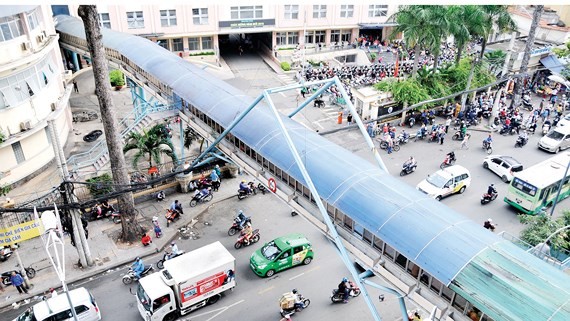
(270,251)
(27,316)
(555,135)
(143,298)
(437,180)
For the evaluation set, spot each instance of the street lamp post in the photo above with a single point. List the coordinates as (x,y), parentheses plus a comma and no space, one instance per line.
(54,246)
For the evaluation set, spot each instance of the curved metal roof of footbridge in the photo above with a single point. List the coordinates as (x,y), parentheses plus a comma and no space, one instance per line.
(504,281)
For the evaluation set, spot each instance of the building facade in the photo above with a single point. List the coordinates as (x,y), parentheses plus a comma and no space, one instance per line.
(197,29)
(32,91)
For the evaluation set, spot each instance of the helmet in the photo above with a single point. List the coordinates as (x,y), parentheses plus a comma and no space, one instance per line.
(172,243)
(243,181)
(294,291)
(248,224)
(240,212)
(344,280)
(138,258)
(490,220)
(492,185)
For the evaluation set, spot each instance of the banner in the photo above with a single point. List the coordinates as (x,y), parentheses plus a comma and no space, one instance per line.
(20,232)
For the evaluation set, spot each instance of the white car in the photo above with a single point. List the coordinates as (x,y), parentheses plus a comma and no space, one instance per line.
(564,121)
(504,166)
(447,181)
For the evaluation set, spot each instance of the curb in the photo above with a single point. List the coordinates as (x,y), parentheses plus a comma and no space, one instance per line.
(33,291)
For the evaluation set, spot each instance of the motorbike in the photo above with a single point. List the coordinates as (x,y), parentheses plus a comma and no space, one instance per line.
(130,276)
(206,182)
(337,297)
(433,137)
(486,114)
(171,216)
(521,141)
(6,281)
(508,130)
(457,136)
(243,194)
(5,253)
(545,128)
(448,161)
(421,134)
(395,145)
(236,227)
(201,199)
(241,240)
(487,147)
(403,139)
(527,104)
(408,169)
(290,311)
(487,198)
(165,257)
(411,121)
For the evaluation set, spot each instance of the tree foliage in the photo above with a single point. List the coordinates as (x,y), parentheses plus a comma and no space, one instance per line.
(409,90)
(100,185)
(540,227)
(117,77)
(152,144)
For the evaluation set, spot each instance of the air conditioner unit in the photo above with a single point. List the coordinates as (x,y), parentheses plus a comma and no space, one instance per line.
(40,38)
(25,125)
(26,46)
(53,106)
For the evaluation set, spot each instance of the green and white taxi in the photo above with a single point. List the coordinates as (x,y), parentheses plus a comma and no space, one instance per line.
(280,254)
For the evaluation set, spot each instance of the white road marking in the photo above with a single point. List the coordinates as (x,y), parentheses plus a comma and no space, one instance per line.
(268,289)
(317,123)
(282,94)
(221,310)
(296,276)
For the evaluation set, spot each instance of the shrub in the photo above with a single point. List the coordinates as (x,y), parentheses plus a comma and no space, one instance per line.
(207,53)
(117,78)
(100,185)
(285,66)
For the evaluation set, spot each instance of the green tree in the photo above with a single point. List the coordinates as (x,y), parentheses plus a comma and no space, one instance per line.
(539,227)
(495,16)
(465,22)
(151,144)
(437,30)
(413,21)
(495,60)
(408,91)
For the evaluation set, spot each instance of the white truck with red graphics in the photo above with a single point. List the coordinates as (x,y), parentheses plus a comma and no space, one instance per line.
(186,283)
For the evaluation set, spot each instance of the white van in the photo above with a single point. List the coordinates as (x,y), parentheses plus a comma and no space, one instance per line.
(556,140)
(57,308)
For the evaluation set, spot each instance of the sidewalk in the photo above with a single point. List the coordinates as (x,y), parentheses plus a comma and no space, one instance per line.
(107,254)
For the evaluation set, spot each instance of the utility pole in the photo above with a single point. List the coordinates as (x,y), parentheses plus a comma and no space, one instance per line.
(509,53)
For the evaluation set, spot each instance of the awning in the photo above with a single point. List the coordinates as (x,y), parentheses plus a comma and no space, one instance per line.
(552,63)
(376,25)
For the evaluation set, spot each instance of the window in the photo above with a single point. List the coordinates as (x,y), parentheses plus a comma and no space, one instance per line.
(177,44)
(18,152)
(206,43)
(315,36)
(345,35)
(193,44)
(200,16)
(287,38)
(46,130)
(292,38)
(163,43)
(135,19)
(281,38)
(377,10)
(33,21)
(335,36)
(246,12)
(167,18)
(319,11)
(291,11)
(10,27)
(346,11)
(104,20)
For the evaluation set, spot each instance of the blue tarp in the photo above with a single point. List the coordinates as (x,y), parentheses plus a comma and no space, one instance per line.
(552,63)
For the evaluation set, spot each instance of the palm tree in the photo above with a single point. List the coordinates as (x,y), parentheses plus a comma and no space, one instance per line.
(465,22)
(437,30)
(151,144)
(495,16)
(412,22)
(495,59)
(526,57)
(90,17)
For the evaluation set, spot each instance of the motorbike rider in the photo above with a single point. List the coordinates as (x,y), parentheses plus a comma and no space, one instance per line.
(173,250)
(410,163)
(215,178)
(524,136)
(176,207)
(203,192)
(138,267)
(241,218)
(243,187)
(488,224)
(487,141)
(106,208)
(247,232)
(344,287)
(298,302)
(491,190)
(449,157)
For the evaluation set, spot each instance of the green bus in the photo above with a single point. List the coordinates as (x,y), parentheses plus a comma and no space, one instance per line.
(536,187)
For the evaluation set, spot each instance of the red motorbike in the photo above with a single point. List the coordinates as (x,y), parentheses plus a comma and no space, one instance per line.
(337,297)
(171,216)
(448,161)
(236,226)
(242,242)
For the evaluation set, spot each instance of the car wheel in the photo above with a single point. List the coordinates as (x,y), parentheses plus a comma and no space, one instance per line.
(485,165)
(438,198)
(461,190)
(213,299)
(557,150)
(269,273)
(505,179)
(307,260)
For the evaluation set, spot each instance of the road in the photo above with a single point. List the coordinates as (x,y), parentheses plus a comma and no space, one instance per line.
(254,298)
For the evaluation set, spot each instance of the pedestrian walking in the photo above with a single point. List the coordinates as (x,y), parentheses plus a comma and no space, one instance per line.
(18,282)
(447,124)
(157,229)
(390,144)
(75,88)
(441,136)
(464,141)
(349,119)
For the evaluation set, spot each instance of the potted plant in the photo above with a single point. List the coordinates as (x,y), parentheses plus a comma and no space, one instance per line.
(117,79)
